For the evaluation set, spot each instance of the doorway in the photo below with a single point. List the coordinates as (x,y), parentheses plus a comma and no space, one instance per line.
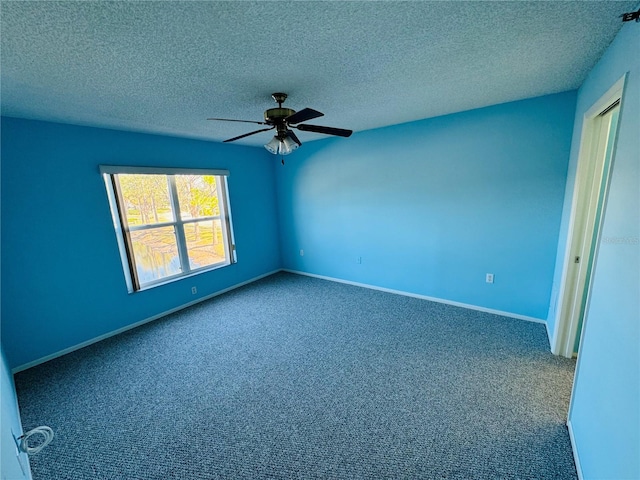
(597,146)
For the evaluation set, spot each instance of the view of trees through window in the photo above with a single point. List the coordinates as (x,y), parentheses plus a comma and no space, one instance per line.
(173,222)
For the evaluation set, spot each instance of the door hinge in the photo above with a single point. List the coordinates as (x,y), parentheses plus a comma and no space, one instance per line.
(576,260)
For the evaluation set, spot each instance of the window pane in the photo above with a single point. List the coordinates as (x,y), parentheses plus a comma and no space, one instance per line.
(205,243)
(146,199)
(156,253)
(197,195)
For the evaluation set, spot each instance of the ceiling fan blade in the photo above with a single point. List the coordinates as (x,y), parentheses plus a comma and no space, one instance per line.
(303,115)
(247,134)
(326,130)
(232,120)
(294,137)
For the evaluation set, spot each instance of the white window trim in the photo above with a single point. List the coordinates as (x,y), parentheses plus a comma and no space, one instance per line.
(107,171)
(115,169)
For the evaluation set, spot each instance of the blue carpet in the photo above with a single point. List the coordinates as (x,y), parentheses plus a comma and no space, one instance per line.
(299,378)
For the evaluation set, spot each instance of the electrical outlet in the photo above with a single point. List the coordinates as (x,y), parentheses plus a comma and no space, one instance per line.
(489,278)
(301,253)
(194,290)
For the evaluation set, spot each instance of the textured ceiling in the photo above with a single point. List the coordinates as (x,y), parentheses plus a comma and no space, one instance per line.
(164,67)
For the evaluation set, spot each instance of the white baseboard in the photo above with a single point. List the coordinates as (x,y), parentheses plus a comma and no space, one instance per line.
(136,324)
(576,458)
(422,297)
(220,292)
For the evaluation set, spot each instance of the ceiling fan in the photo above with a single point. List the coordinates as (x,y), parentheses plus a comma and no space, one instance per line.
(283,120)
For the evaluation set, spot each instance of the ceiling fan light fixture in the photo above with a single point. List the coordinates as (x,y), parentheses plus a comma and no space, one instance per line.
(273,146)
(281,146)
(288,145)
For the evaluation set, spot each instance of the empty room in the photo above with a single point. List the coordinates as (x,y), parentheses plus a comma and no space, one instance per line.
(320,240)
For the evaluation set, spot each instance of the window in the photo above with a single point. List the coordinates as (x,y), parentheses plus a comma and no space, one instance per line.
(170,223)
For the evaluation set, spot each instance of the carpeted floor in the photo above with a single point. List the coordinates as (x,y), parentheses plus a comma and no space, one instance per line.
(299,378)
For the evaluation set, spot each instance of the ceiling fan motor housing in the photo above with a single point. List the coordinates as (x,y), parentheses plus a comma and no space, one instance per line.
(273,116)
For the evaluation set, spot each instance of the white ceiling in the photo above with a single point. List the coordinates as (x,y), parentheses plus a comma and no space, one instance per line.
(164,67)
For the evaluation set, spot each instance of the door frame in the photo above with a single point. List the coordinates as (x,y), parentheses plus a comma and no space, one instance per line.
(584,231)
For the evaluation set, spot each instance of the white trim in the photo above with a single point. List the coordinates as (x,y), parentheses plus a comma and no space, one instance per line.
(116,169)
(549,334)
(421,297)
(574,449)
(136,324)
(609,98)
(564,325)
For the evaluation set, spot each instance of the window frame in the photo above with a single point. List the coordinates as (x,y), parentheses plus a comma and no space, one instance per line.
(123,230)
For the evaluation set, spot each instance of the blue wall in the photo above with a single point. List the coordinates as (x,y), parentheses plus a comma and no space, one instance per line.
(10,468)
(432,206)
(63,280)
(605,409)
